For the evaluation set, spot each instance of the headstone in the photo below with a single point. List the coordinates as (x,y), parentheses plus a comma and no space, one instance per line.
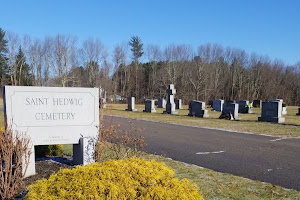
(218,105)
(284,111)
(230,109)
(149,106)
(197,109)
(298,111)
(245,106)
(178,104)
(131,104)
(272,112)
(170,106)
(161,103)
(257,103)
(53,115)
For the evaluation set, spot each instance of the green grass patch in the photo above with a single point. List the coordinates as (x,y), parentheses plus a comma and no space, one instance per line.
(67,149)
(247,123)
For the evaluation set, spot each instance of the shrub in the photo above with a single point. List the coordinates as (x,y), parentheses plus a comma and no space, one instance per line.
(48,150)
(14,158)
(114,143)
(116,179)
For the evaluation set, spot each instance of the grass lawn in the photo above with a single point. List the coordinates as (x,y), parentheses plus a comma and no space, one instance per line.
(247,122)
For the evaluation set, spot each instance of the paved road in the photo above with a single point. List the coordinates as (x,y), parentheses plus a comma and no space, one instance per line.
(257,157)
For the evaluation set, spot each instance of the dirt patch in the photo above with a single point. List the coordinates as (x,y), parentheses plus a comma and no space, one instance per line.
(44,168)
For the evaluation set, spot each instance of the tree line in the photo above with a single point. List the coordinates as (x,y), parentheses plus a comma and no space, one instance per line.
(132,69)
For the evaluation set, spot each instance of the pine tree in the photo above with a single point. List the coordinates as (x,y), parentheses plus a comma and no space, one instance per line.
(3,58)
(137,51)
(24,76)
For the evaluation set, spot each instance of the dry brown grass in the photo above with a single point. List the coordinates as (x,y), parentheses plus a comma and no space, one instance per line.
(247,123)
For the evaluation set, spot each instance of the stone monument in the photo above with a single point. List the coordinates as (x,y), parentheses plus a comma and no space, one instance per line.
(245,106)
(230,109)
(218,105)
(149,106)
(131,104)
(161,103)
(272,112)
(197,109)
(54,115)
(178,104)
(170,106)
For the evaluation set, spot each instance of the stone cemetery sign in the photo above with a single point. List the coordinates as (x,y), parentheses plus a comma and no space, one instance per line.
(272,112)
(170,107)
(131,104)
(218,105)
(244,106)
(161,103)
(53,115)
(150,106)
(230,109)
(178,104)
(197,109)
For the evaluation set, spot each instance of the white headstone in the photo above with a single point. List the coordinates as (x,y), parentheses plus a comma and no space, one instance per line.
(170,107)
(161,103)
(53,115)
(272,112)
(150,106)
(131,104)
(218,105)
(197,109)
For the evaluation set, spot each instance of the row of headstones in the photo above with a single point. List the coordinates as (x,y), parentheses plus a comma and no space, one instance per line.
(272,110)
(150,104)
(196,108)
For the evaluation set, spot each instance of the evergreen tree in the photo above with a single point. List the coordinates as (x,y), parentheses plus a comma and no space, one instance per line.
(3,58)
(136,48)
(137,51)
(24,77)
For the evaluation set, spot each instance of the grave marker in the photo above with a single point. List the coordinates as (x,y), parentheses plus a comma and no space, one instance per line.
(231,109)
(53,115)
(131,104)
(298,111)
(178,103)
(218,105)
(170,106)
(244,106)
(161,103)
(257,103)
(149,106)
(272,112)
(197,109)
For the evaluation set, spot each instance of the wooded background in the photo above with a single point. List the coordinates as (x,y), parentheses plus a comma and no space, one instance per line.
(132,69)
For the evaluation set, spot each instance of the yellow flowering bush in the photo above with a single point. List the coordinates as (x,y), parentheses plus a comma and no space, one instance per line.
(116,179)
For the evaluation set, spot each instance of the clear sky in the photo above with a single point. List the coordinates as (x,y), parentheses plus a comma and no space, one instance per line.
(266,27)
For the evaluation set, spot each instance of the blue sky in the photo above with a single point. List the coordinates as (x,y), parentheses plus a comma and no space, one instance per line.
(265,27)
